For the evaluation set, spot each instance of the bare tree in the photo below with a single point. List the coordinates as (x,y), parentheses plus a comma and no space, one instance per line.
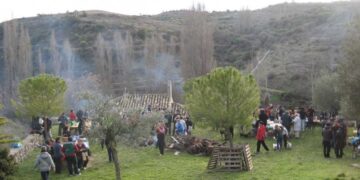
(197,44)
(17,56)
(55,55)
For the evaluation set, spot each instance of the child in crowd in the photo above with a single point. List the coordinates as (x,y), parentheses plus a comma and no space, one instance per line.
(279,137)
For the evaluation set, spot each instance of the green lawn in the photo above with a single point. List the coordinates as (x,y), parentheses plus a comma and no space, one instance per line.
(304,161)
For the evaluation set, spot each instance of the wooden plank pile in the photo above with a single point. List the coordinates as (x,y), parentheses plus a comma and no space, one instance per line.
(231,159)
(195,145)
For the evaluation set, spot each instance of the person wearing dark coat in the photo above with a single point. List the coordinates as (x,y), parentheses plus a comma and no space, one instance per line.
(80,118)
(286,121)
(327,137)
(109,150)
(58,155)
(263,117)
(168,118)
(63,123)
(47,128)
(339,138)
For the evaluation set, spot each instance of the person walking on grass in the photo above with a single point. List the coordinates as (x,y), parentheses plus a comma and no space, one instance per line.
(260,137)
(44,163)
(160,131)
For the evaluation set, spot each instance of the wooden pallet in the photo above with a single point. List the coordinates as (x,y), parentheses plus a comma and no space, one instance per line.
(212,164)
(231,159)
(248,159)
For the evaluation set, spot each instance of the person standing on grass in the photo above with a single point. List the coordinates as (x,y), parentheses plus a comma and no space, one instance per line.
(72,115)
(82,154)
(279,137)
(327,137)
(58,155)
(70,150)
(189,125)
(160,131)
(297,125)
(80,119)
(339,132)
(168,118)
(263,117)
(286,121)
(63,124)
(109,150)
(260,137)
(48,123)
(285,136)
(44,163)
(302,114)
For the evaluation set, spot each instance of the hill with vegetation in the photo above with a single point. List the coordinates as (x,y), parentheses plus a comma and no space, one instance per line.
(140,53)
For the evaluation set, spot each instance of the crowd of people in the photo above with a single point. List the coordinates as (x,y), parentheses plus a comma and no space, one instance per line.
(277,122)
(74,149)
(293,122)
(175,123)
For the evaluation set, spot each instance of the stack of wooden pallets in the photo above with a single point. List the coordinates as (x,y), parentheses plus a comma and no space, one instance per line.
(231,159)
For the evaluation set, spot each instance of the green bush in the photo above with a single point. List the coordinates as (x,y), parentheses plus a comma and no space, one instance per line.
(7,164)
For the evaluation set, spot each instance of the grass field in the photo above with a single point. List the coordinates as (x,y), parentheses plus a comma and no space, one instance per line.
(304,161)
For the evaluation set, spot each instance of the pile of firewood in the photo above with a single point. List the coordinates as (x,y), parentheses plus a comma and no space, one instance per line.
(194,145)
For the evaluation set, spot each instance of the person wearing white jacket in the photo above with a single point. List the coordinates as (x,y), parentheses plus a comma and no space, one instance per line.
(297,125)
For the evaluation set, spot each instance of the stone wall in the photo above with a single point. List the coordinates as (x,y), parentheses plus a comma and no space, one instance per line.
(28,144)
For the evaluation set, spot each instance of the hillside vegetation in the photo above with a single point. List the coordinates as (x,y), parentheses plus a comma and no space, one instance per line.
(304,41)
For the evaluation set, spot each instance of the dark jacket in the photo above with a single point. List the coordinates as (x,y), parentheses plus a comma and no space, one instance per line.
(302,114)
(327,133)
(57,150)
(286,119)
(263,117)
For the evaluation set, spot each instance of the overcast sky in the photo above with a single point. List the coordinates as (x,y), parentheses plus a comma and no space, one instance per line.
(25,8)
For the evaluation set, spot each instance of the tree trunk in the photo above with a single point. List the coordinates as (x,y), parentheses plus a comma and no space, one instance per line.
(228,136)
(116,163)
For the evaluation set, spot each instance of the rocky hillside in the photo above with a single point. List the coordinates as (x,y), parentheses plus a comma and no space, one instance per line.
(140,53)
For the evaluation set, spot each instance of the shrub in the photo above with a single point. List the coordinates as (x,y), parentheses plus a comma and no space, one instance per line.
(7,164)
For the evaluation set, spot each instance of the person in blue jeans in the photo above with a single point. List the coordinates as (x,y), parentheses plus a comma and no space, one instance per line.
(279,137)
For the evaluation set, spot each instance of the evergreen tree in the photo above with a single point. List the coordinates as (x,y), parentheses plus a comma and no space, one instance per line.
(7,164)
(41,95)
(223,98)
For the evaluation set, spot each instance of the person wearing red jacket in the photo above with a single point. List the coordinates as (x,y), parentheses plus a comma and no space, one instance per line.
(260,137)
(72,115)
